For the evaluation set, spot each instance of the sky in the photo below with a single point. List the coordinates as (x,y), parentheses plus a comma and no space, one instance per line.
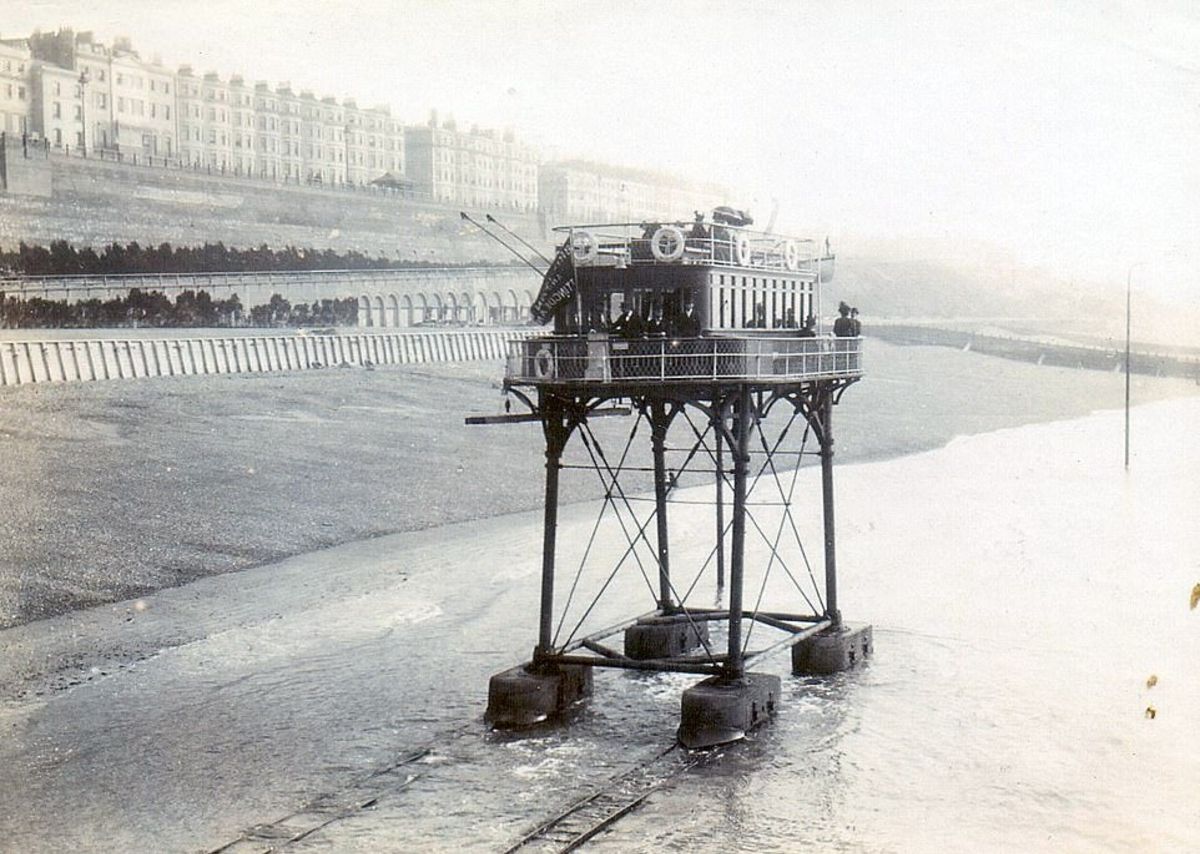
(1063,137)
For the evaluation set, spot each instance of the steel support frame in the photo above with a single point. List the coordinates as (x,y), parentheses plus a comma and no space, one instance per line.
(734,410)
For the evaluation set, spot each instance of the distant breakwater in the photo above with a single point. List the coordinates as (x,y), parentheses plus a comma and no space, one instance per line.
(82,360)
(1141,361)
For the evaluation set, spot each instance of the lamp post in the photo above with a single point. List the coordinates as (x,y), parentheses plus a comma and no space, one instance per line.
(83,82)
(1128,304)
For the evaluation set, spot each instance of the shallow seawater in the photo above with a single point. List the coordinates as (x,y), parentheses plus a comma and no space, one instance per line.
(1023,589)
(1020,601)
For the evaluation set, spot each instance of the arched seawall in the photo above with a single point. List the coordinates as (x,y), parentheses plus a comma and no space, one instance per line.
(472,296)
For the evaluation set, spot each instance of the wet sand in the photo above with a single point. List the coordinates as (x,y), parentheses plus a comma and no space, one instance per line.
(114,490)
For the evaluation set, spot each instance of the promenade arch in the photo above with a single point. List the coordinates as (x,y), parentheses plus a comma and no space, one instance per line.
(364,310)
(393,311)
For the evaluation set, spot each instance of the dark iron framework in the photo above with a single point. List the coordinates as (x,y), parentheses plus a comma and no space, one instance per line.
(723,420)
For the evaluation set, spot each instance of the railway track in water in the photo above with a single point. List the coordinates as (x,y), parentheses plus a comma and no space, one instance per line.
(572,826)
(595,813)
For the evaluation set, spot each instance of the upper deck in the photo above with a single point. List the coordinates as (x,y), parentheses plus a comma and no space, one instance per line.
(682,303)
(623,245)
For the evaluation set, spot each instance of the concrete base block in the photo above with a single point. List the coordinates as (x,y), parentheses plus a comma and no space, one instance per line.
(522,697)
(718,711)
(656,637)
(832,650)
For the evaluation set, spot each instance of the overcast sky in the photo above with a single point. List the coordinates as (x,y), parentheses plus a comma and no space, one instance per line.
(1066,135)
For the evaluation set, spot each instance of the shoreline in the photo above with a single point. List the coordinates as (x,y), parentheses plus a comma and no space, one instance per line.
(170,483)
(57,654)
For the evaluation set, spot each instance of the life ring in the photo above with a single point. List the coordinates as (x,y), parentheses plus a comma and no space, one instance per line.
(791,255)
(543,363)
(584,247)
(743,250)
(667,243)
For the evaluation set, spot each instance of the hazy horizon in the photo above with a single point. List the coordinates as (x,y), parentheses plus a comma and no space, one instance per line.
(1062,138)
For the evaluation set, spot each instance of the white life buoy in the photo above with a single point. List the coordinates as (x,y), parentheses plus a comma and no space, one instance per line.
(667,243)
(743,250)
(584,247)
(791,255)
(543,363)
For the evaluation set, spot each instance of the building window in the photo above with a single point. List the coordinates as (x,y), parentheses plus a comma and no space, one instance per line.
(57,110)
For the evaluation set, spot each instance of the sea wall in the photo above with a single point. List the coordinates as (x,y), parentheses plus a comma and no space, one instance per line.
(53,361)
(402,297)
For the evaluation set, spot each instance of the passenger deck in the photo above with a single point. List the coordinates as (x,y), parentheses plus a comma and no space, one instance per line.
(598,359)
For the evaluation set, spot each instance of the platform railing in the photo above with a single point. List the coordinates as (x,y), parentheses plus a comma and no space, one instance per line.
(601,359)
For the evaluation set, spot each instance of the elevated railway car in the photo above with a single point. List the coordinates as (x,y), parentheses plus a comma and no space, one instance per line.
(683,302)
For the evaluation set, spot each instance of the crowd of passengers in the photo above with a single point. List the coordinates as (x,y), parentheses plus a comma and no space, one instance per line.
(631,324)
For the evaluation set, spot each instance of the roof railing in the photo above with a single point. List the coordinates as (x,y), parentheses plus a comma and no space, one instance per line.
(678,243)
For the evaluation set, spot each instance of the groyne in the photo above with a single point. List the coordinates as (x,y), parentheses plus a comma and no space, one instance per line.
(85,360)
(1142,360)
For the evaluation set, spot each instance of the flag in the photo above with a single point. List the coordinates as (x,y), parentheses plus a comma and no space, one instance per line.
(558,286)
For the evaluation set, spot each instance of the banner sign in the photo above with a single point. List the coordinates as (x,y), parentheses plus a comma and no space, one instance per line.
(558,286)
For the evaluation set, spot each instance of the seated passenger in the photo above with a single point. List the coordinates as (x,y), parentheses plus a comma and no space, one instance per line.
(627,325)
(809,330)
(639,247)
(789,319)
(656,327)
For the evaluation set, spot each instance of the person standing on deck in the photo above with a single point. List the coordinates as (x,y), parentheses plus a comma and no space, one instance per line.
(843,327)
(687,325)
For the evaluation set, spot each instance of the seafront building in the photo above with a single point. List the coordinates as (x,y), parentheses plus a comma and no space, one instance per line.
(478,168)
(15,94)
(70,93)
(582,191)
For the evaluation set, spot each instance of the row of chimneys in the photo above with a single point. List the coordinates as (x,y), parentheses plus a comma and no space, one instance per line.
(451,124)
